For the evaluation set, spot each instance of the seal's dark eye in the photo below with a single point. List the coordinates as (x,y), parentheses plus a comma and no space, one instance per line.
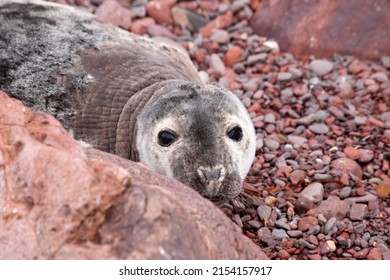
(235,133)
(166,138)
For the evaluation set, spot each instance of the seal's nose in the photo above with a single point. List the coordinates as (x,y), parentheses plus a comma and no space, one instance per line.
(212,178)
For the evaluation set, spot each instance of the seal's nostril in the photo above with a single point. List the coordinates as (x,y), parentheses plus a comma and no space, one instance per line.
(212,174)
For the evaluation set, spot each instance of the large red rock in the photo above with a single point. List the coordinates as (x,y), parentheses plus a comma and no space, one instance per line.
(60,201)
(324,27)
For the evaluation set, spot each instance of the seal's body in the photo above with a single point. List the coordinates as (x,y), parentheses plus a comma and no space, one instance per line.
(126,95)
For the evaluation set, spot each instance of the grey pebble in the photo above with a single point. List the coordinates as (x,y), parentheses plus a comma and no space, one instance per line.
(270,118)
(281,223)
(269,157)
(314,230)
(319,128)
(279,234)
(253,59)
(321,115)
(342,241)
(307,120)
(329,225)
(360,120)
(271,144)
(321,66)
(321,219)
(284,76)
(264,212)
(295,233)
(363,243)
(345,192)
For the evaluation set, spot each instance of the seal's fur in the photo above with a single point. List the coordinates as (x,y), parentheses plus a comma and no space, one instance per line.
(116,91)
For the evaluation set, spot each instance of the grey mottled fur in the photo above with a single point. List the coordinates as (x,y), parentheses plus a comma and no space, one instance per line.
(112,89)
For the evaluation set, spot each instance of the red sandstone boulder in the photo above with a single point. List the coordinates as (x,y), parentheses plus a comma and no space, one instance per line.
(59,201)
(325,27)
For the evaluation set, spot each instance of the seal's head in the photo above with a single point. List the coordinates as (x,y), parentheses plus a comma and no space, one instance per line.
(200,135)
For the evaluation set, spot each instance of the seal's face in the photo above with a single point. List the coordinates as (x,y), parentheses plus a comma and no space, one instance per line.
(201,135)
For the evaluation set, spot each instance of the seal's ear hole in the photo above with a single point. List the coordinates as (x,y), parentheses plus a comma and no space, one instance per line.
(235,133)
(166,138)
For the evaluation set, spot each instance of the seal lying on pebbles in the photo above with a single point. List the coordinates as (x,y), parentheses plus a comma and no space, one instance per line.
(126,95)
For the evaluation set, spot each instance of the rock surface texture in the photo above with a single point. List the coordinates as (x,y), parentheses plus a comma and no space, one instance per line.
(325,27)
(58,201)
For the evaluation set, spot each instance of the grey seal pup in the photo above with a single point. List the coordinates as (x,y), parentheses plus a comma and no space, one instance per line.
(126,95)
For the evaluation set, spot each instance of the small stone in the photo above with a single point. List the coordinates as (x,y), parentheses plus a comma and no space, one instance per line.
(302,205)
(283,255)
(328,247)
(321,66)
(284,76)
(347,165)
(216,64)
(271,144)
(360,120)
(141,26)
(263,232)
(365,155)
(361,199)
(307,120)
(313,192)
(157,30)
(321,219)
(222,37)
(345,192)
(352,153)
(220,22)
(255,58)
(375,254)
(361,254)
(279,234)
(297,175)
(319,128)
(296,141)
(314,257)
(380,77)
(358,212)
(270,118)
(114,13)
(295,233)
(233,55)
(312,239)
(160,10)
(333,207)
(282,224)
(329,225)
(314,230)
(306,223)
(383,190)
(180,17)
(264,212)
